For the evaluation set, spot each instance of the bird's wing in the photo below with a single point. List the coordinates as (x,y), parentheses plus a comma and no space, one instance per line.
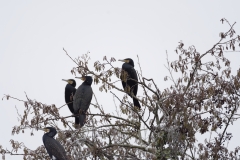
(78,99)
(122,77)
(69,92)
(74,90)
(131,74)
(82,98)
(54,148)
(134,84)
(86,99)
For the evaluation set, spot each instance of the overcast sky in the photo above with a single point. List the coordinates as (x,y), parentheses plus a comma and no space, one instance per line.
(33,34)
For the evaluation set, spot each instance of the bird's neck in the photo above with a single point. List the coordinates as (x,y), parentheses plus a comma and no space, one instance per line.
(51,134)
(86,83)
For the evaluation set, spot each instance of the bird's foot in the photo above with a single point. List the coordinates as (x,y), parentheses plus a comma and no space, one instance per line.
(76,126)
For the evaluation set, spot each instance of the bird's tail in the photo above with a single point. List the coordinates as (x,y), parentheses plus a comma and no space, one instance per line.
(77,120)
(82,119)
(76,124)
(136,103)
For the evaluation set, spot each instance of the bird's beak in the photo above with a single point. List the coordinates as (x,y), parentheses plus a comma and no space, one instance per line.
(122,60)
(44,129)
(82,78)
(69,81)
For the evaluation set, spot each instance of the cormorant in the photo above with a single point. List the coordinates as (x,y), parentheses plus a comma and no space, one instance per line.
(53,147)
(82,99)
(69,93)
(130,79)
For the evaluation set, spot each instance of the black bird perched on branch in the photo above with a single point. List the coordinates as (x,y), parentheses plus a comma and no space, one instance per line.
(82,99)
(53,147)
(130,80)
(69,93)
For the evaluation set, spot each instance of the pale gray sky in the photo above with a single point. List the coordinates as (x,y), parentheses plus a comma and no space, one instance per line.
(33,33)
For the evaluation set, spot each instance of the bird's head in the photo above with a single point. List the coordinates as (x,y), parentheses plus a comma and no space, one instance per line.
(87,79)
(50,131)
(72,82)
(127,60)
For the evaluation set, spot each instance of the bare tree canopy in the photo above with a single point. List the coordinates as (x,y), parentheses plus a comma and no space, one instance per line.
(204,98)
